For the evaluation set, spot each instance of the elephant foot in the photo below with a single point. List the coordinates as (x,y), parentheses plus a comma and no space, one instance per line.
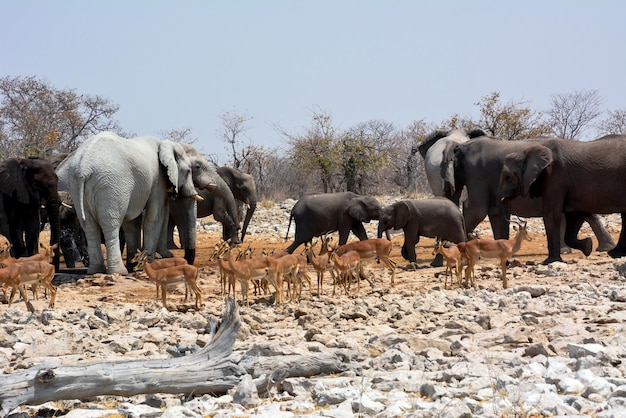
(118,270)
(94,269)
(552,260)
(437,261)
(164,253)
(605,246)
(190,255)
(586,246)
(411,266)
(565,249)
(617,252)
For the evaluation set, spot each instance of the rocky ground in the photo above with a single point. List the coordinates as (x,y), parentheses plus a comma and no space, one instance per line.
(553,344)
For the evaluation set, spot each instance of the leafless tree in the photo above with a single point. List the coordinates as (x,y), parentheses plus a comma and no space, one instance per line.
(36,117)
(235,126)
(407,167)
(179,135)
(571,114)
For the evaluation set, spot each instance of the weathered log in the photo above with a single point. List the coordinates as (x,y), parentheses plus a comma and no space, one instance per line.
(270,371)
(209,370)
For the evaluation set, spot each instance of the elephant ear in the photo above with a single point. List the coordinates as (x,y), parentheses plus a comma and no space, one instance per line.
(537,159)
(168,156)
(357,210)
(403,212)
(13,179)
(447,168)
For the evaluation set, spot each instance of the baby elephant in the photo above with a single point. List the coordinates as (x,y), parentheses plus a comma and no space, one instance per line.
(434,218)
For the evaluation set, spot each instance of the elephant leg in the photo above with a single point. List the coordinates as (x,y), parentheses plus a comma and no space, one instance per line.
(170,234)
(620,248)
(552,224)
(359,231)
(473,213)
(437,261)
(68,248)
(565,249)
(229,230)
(132,235)
(605,241)
(93,235)
(573,222)
(31,235)
(408,252)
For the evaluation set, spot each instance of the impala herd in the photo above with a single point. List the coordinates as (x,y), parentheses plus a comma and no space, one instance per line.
(264,272)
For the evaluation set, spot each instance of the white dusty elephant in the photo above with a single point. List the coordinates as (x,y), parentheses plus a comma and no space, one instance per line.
(432,148)
(113,181)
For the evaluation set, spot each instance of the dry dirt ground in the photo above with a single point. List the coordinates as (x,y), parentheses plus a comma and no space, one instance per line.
(91,291)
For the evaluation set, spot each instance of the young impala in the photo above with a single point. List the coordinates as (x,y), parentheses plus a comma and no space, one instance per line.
(373,248)
(162,263)
(162,278)
(452,256)
(18,275)
(321,264)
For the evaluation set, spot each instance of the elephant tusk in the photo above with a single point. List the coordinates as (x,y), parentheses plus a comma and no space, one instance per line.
(66,205)
(197,198)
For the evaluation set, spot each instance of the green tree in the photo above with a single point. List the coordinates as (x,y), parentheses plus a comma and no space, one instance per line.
(316,152)
(514,120)
(614,123)
(36,118)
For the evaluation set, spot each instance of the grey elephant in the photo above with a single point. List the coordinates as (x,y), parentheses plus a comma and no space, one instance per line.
(243,189)
(207,181)
(573,179)
(125,183)
(318,214)
(26,184)
(434,218)
(477,165)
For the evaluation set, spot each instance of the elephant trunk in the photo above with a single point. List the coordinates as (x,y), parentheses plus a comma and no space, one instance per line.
(246,221)
(187,229)
(382,228)
(221,189)
(53,205)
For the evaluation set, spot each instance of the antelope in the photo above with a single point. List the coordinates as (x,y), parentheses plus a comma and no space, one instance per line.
(289,268)
(6,260)
(452,255)
(378,248)
(162,263)
(166,276)
(227,276)
(17,275)
(257,268)
(346,266)
(300,276)
(502,249)
(321,264)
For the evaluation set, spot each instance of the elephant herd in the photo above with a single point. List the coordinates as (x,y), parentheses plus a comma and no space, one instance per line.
(119,192)
(565,182)
(133,192)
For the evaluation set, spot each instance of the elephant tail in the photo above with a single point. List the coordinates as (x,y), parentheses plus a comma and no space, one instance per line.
(289,226)
(80,206)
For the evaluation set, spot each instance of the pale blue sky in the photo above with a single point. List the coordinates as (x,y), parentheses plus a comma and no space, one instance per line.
(177,64)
